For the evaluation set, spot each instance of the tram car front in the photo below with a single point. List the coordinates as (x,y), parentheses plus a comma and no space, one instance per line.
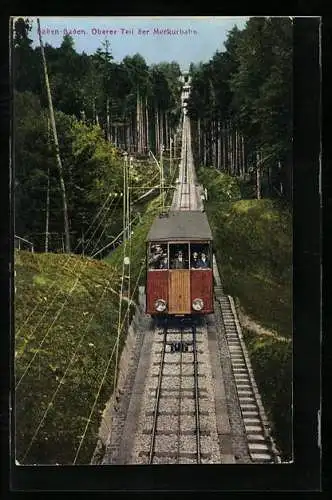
(179,279)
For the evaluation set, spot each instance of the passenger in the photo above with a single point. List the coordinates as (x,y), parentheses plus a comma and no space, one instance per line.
(178,262)
(194,260)
(157,254)
(203,262)
(164,263)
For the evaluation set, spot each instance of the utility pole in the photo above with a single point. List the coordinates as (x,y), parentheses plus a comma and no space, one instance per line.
(82,243)
(170,158)
(258,176)
(47,196)
(124,214)
(127,195)
(162,190)
(108,128)
(56,143)
(47,209)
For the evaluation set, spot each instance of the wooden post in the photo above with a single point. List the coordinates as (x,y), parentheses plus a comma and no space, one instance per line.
(56,143)
(47,209)
(162,178)
(243,158)
(170,157)
(258,176)
(108,119)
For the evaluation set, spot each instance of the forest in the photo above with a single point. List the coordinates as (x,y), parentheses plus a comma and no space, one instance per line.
(240,108)
(101,109)
(239,105)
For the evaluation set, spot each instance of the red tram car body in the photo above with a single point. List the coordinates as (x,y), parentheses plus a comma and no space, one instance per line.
(179,279)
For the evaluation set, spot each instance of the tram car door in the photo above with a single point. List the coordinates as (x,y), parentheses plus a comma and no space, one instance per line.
(179,279)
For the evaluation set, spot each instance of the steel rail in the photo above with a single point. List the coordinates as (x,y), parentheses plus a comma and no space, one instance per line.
(156,408)
(196,394)
(180,390)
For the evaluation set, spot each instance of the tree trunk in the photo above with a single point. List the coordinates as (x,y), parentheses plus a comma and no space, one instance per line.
(213,157)
(204,145)
(56,143)
(219,145)
(228,148)
(232,149)
(82,242)
(235,154)
(127,136)
(94,110)
(224,148)
(210,160)
(108,120)
(161,131)
(281,183)
(216,143)
(97,117)
(199,139)
(243,158)
(137,122)
(147,136)
(157,130)
(47,209)
(143,116)
(258,176)
(166,130)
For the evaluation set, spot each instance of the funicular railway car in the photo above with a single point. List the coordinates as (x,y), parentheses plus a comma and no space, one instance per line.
(179,279)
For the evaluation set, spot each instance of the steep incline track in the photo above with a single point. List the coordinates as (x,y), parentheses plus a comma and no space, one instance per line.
(194,398)
(187,195)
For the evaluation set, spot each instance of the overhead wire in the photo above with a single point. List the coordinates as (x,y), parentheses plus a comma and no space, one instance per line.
(107,368)
(105,227)
(50,404)
(63,266)
(67,298)
(57,314)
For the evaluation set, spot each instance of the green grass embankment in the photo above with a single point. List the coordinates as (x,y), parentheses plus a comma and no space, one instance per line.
(62,353)
(66,324)
(253,246)
(136,247)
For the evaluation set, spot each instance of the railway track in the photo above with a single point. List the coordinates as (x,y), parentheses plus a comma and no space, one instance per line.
(193,403)
(177,422)
(184,425)
(187,197)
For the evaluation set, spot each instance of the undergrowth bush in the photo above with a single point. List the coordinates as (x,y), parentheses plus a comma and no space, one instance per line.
(271,360)
(253,246)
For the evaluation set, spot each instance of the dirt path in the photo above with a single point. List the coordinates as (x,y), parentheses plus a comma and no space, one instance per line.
(250,324)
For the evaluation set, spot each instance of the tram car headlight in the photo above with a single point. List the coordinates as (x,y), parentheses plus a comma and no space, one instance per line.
(198,304)
(160,305)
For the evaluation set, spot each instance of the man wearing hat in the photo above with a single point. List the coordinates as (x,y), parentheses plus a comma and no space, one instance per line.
(179,261)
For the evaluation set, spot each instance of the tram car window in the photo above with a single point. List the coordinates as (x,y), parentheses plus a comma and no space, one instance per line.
(179,256)
(179,279)
(200,256)
(158,256)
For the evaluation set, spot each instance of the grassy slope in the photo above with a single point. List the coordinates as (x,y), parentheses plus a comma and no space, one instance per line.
(136,248)
(65,356)
(253,244)
(65,375)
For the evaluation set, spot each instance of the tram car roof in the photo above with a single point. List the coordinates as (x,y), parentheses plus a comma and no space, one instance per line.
(184,225)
